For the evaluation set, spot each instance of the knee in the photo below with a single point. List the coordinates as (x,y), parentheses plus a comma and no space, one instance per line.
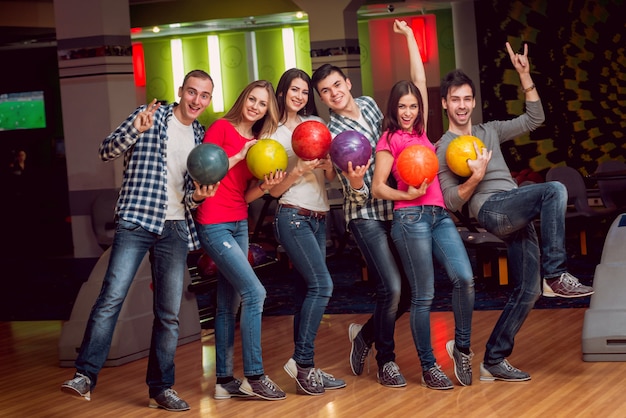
(558,189)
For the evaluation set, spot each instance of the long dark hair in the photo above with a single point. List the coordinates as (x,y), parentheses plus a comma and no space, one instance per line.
(390,122)
(283,86)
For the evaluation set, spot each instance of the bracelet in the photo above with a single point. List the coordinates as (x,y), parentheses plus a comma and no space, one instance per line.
(526,90)
(261,189)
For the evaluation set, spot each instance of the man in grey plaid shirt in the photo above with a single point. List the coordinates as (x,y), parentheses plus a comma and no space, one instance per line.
(369,221)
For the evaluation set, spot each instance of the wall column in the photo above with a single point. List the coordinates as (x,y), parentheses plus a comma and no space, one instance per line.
(333,28)
(97,93)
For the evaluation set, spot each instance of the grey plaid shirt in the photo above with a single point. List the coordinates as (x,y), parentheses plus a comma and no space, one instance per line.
(358,203)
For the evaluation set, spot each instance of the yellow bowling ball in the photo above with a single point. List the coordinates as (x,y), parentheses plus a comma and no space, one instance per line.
(459,151)
(266,156)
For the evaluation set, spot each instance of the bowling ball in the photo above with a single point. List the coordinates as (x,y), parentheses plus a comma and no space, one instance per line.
(207,163)
(350,146)
(266,156)
(206,266)
(256,254)
(459,151)
(417,163)
(310,140)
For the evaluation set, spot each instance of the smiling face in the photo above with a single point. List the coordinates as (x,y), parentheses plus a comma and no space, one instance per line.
(459,104)
(195,95)
(334,91)
(297,96)
(255,105)
(408,109)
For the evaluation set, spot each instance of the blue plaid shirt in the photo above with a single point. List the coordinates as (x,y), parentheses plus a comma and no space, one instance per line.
(143,195)
(358,203)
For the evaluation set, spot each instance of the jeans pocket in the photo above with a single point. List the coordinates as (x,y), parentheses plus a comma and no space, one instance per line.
(182,229)
(127,226)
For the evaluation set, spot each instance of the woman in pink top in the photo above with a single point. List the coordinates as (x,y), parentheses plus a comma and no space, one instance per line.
(422,229)
(223,231)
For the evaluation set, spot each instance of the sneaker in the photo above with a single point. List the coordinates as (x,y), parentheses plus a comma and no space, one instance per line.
(263,388)
(80,385)
(307,379)
(229,390)
(329,381)
(169,400)
(360,349)
(502,371)
(389,375)
(462,363)
(434,378)
(566,286)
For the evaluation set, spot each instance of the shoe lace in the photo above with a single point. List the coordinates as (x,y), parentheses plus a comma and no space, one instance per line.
(436,372)
(172,395)
(267,382)
(79,377)
(314,377)
(466,361)
(391,369)
(570,280)
(509,367)
(321,375)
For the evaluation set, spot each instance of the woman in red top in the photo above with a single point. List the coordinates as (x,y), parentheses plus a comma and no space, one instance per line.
(223,231)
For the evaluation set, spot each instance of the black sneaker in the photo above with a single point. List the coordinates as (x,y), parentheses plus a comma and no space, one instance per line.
(169,400)
(229,390)
(307,379)
(329,381)
(263,388)
(80,385)
(389,375)
(502,371)
(462,363)
(434,378)
(360,349)
(565,286)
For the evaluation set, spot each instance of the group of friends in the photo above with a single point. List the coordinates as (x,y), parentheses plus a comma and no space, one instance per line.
(399,228)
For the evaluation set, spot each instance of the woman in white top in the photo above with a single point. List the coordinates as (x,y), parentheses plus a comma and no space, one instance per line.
(300,227)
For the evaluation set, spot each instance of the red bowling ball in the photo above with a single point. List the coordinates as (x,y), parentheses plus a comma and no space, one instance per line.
(311,140)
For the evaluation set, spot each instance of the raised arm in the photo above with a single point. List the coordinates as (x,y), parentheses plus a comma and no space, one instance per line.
(416,66)
(522,66)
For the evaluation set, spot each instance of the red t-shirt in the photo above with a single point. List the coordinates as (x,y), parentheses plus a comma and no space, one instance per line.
(228,204)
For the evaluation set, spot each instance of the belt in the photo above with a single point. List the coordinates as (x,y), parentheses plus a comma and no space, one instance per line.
(306,212)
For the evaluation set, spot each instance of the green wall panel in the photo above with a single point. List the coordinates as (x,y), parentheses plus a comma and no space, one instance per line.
(159,77)
(303,48)
(234,66)
(270,55)
(367,80)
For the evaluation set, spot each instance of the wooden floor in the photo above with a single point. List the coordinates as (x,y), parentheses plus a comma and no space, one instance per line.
(548,347)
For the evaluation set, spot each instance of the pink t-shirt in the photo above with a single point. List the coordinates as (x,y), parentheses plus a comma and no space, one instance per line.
(228,204)
(399,141)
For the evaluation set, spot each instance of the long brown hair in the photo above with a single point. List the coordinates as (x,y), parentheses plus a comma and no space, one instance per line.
(390,122)
(268,123)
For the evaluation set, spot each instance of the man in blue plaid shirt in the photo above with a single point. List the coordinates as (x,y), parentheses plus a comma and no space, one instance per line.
(369,221)
(153,213)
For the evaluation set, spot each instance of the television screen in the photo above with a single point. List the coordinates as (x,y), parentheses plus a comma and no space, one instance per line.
(22,111)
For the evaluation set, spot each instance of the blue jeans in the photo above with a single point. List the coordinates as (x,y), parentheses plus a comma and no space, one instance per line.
(510,215)
(421,233)
(168,257)
(237,284)
(304,241)
(374,241)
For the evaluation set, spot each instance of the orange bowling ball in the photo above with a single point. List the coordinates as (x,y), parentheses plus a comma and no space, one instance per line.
(266,156)
(460,150)
(417,163)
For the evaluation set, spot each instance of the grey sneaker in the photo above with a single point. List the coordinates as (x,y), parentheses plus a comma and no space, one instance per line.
(307,379)
(80,385)
(502,371)
(360,349)
(462,363)
(263,388)
(389,375)
(434,378)
(229,390)
(169,400)
(566,286)
(329,381)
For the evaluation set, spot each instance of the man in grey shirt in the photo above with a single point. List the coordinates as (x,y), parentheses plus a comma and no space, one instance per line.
(508,211)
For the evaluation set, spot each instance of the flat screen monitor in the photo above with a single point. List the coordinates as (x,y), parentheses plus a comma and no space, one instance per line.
(24,110)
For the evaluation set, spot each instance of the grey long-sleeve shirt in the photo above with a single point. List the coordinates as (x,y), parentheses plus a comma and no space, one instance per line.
(498,176)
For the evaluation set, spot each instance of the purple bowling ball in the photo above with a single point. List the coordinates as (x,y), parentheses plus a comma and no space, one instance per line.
(350,146)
